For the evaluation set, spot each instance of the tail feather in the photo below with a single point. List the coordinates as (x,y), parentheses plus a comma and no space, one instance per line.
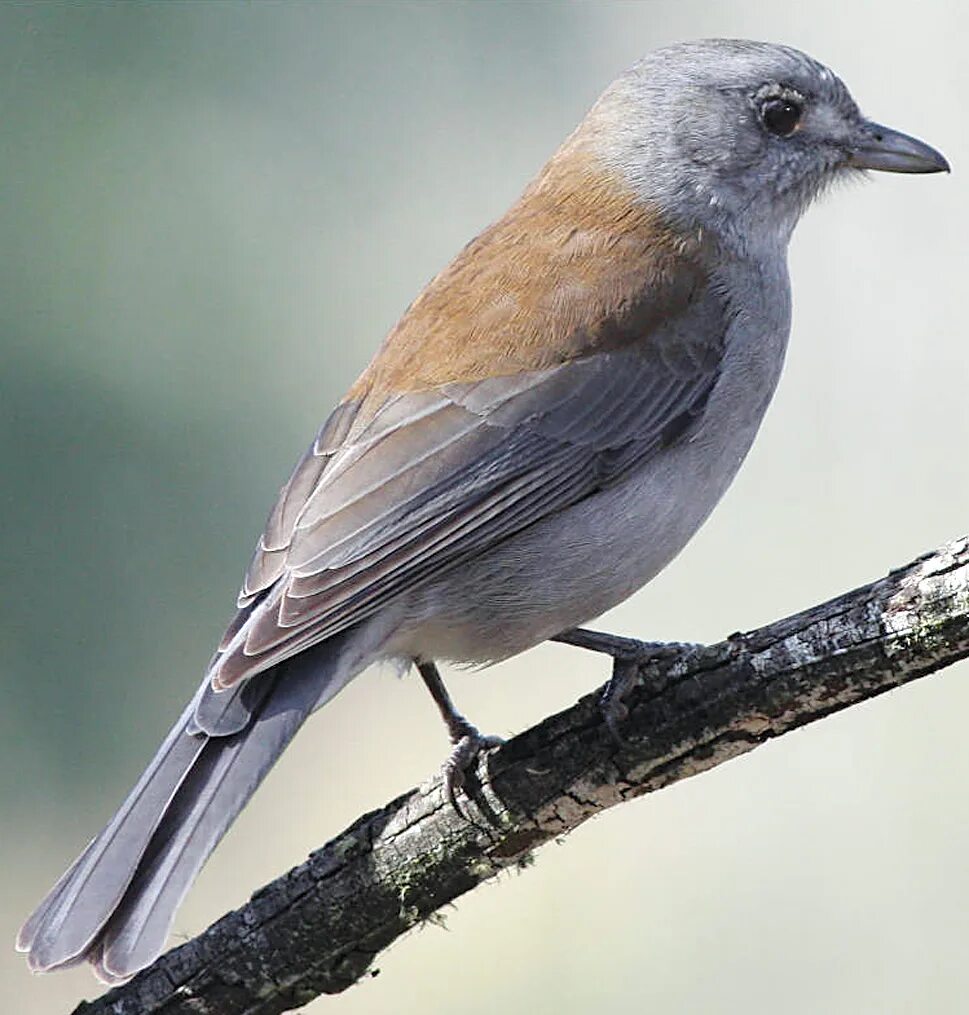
(115,905)
(65,924)
(27,935)
(218,787)
(221,713)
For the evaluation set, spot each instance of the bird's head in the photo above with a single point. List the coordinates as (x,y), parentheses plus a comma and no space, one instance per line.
(739,137)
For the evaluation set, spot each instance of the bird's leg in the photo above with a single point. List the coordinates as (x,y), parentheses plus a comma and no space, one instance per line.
(629,659)
(468,742)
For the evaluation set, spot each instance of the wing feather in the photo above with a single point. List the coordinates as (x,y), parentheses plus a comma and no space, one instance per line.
(269,560)
(435,477)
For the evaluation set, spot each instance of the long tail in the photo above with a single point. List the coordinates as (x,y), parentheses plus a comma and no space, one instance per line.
(115,905)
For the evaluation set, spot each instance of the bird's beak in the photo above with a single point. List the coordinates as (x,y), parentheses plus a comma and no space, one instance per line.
(878,147)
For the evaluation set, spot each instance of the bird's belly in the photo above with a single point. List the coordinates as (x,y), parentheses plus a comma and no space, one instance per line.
(573,566)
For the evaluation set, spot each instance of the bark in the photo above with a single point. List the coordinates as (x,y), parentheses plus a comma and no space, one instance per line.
(318,928)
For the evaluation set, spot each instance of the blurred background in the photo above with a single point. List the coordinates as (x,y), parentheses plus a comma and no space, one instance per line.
(210,214)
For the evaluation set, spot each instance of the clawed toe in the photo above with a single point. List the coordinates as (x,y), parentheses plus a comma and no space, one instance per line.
(630,658)
(646,652)
(468,744)
(614,710)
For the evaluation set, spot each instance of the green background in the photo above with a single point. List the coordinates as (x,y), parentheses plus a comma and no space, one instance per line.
(210,213)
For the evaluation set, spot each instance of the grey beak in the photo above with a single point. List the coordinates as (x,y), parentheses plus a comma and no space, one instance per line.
(878,147)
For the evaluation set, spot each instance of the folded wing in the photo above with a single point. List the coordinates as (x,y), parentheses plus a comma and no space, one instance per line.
(432,478)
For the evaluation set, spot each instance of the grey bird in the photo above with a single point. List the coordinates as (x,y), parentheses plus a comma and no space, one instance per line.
(542,432)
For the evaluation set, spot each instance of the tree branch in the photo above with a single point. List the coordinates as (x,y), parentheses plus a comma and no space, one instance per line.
(318,928)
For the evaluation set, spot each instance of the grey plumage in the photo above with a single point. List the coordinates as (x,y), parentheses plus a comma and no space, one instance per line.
(545,429)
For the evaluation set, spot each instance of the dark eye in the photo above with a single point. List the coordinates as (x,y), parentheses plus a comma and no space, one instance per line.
(781,116)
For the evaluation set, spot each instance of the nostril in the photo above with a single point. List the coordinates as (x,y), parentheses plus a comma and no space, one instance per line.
(879,136)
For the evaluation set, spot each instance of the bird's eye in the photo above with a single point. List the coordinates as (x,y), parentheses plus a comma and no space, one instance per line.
(781,116)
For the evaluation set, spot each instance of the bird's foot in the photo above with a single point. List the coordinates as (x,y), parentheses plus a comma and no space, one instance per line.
(468,744)
(633,662)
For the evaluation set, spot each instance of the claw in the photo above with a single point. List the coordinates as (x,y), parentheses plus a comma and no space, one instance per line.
(630,658)
(625,676)
(468,744)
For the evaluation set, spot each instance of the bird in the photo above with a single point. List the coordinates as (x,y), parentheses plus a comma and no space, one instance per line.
(540,434)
